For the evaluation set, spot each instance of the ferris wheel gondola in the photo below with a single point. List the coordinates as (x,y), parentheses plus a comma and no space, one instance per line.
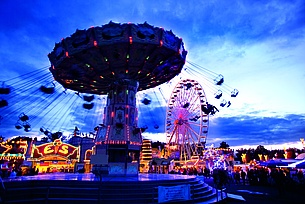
(186,123)
(4,89)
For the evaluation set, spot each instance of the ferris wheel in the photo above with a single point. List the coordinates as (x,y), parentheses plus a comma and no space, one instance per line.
(186,123)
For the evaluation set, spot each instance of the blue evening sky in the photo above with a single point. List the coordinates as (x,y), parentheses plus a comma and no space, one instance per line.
(258,46)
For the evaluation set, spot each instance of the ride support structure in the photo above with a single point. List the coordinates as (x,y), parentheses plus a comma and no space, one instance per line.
(120,140)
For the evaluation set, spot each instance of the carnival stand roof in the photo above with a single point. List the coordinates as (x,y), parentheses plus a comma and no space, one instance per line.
(90,60)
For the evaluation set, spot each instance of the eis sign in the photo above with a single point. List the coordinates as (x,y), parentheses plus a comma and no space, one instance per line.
(56,148)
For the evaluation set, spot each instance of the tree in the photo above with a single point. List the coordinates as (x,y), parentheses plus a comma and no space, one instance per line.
(224,145)
(44,139)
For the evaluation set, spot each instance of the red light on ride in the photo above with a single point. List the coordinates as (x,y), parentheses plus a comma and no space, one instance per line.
(161,43)
(95,43)
(67,54)
(130,40)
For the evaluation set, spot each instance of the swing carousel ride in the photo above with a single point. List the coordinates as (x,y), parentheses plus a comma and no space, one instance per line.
(112,83)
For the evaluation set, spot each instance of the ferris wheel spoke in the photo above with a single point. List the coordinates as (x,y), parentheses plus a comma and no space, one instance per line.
(172,135)
(195,111)
(193,132)
(191,145)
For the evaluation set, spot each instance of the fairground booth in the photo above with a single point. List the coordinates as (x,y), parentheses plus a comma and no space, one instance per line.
(12,154)
(55,156)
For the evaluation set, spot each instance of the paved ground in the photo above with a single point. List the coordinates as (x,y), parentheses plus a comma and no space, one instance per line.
(264,194)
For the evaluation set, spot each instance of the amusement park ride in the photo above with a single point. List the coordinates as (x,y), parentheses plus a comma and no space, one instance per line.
(186,121)
(120,60)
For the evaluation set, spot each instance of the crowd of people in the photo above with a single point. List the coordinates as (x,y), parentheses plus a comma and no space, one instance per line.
(257,175)
(261,176)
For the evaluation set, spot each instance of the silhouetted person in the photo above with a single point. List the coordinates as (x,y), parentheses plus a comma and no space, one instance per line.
(243,176)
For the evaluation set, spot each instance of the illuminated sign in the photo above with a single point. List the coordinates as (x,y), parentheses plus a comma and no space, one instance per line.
(56,148)
(9,156)
(8,145)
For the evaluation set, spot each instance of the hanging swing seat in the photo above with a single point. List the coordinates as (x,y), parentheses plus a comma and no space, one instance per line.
(234,93)
(88,98)
(23,117)
(48,89)
(88,106)
(4,89)
(219,80)
(146,101)
(218,94)
(3,103)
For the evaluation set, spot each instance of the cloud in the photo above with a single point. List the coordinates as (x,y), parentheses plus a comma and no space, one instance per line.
(253,130)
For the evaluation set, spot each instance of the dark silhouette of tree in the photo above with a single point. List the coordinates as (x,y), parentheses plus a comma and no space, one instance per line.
(44,139)
(157,145)
(224,145)
(55,136)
